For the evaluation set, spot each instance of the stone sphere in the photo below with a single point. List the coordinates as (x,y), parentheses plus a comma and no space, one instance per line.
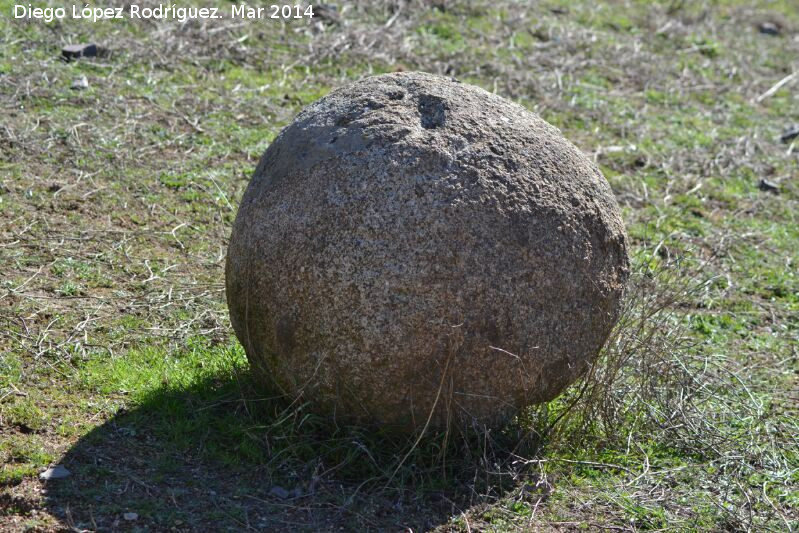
(416,252)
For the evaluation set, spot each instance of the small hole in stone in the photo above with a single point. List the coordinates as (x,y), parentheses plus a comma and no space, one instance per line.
(433,111)
(395,95)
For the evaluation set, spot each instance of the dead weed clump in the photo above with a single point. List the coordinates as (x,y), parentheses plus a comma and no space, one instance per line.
(659,392)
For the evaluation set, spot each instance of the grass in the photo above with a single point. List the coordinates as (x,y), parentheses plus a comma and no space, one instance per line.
(116,356)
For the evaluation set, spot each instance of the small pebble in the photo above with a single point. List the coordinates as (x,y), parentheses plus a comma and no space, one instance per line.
(130,517)
(768,186)
(80,83)
(56,472)
(769,28)
(790,133)
(327,12)
(75,51)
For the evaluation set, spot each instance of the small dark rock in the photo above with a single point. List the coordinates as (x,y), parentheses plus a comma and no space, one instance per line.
(768,186)
(790,133)
(769,28)
(75,51)
(328,13)
(541,34)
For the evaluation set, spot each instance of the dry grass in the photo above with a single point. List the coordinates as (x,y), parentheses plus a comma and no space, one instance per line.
(655,384)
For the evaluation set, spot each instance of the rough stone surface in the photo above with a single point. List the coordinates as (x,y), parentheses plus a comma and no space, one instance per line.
(412,247)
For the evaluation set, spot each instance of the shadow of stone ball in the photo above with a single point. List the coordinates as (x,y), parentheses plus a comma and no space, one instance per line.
(415,252)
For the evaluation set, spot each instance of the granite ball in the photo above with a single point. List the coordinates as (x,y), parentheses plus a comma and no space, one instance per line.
(416,252)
